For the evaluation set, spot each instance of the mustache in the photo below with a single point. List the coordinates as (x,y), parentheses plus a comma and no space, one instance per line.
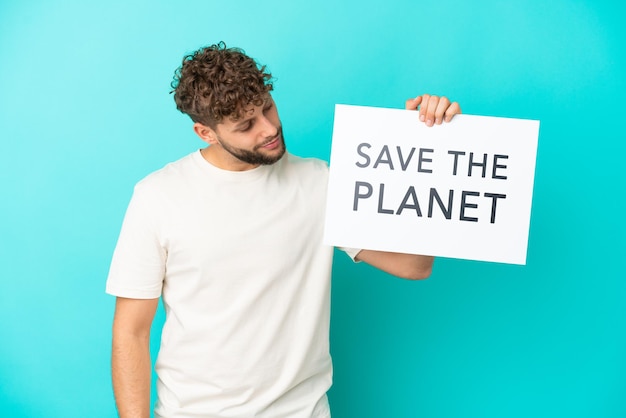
(272,139)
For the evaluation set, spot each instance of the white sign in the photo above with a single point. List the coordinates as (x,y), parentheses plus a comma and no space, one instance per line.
(461,190)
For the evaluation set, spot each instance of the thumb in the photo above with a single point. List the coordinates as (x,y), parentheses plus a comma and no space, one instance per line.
(412,104)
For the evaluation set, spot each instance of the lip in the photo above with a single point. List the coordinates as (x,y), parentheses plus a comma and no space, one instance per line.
(273,144)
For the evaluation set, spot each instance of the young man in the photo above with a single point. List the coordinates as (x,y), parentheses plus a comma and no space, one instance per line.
(231,237)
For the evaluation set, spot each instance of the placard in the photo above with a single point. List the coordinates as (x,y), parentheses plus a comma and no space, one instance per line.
(462,189)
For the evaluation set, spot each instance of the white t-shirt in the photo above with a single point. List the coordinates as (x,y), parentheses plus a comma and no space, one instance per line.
(245,279)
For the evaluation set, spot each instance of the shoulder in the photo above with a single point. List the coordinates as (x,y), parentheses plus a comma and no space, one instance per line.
(309,165)
(165,182)
(171,173)
(310,174)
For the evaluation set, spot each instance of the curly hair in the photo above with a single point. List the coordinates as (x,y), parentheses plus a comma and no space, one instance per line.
(217,82)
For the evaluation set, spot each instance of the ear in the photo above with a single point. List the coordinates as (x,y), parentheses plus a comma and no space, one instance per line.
(206,133)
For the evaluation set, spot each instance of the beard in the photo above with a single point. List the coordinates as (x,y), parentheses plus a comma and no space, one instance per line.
(257,156)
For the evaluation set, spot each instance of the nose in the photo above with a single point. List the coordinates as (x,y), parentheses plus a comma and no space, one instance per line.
(267,128)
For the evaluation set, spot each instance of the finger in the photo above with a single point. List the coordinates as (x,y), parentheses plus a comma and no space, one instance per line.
(424,106)
(454,109)
(442,106)
(430,110)
(412,104)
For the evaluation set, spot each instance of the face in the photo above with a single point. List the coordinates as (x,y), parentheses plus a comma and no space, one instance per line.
(255,139)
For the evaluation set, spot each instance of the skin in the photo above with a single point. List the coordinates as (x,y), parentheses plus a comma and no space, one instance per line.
(258,132)
(130,356)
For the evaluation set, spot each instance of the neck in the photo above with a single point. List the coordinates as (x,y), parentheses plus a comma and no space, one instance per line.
(217,156)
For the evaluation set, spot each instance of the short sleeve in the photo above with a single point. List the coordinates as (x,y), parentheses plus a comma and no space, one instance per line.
(138,265)
(351,252)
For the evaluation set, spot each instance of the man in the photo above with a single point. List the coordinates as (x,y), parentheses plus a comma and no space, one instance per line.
(231,238)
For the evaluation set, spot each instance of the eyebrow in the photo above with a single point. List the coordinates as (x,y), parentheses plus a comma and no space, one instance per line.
(242,122)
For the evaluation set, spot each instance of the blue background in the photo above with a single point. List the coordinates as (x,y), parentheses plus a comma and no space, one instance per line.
(85,112)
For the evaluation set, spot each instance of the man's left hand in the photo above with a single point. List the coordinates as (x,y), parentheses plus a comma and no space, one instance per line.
(433,109)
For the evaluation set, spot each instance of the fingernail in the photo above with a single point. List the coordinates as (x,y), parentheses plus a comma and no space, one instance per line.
(429,122)
(422,118)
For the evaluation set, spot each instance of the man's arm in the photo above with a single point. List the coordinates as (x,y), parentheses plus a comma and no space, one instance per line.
(433,110)
(130,356)
(406,266)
